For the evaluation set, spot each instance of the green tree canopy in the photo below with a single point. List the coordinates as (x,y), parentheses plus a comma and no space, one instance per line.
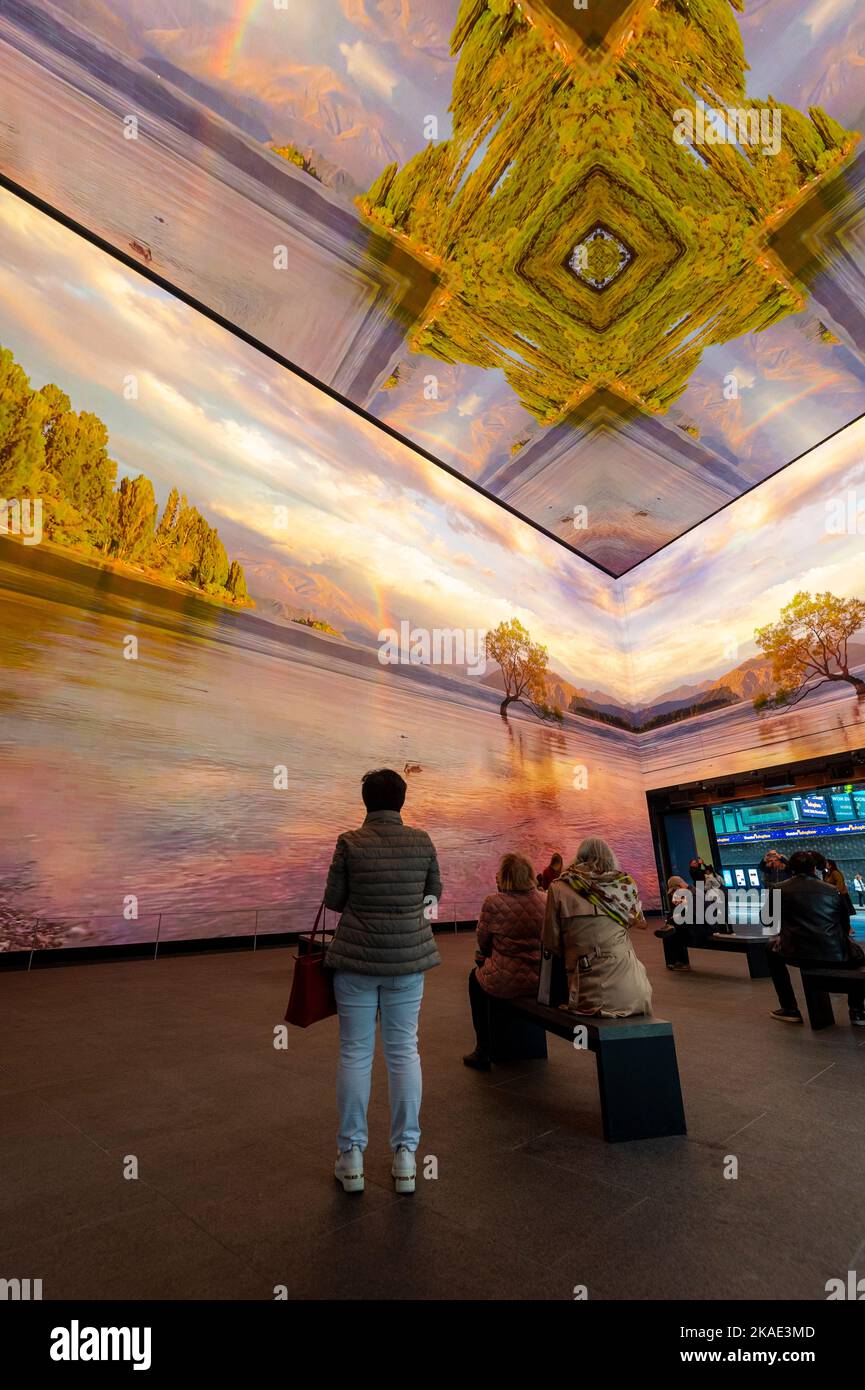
(50,451)
(134,517)
(523,665)
(23,415)
(808,646)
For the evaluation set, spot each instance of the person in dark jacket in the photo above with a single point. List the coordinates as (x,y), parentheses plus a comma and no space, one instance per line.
(697,870)
(773,869)
(815,930)
(385,881)
(509,949)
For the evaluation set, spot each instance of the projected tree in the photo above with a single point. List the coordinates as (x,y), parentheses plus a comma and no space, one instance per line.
(523,665)
(808,646)
(60,456)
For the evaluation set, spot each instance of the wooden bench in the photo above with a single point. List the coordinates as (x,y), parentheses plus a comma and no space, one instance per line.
(752,947)
(638,1075)
(819,983)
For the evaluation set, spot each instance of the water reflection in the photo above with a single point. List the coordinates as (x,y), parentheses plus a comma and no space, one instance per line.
(155,777)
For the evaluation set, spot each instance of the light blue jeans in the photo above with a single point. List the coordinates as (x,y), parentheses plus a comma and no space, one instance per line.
(397,999)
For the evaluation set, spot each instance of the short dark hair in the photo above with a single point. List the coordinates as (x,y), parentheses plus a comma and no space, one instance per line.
(802,862)
(383,790)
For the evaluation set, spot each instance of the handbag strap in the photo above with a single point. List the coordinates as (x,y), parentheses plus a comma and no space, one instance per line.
(315,925)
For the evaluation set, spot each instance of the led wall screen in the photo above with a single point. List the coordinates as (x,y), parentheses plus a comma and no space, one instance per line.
(694,613)
(475,222)
(169,740)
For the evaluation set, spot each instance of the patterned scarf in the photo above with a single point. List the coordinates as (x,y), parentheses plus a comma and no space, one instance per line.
(613,893)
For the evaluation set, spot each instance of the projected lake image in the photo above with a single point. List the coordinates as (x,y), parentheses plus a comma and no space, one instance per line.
(155,777)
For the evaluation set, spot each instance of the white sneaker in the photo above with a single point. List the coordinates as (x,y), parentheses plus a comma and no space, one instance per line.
(348,1169)
(404,1169)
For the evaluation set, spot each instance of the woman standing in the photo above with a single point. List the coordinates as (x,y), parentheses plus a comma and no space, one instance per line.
(591,909)
(385,881)
(836,879)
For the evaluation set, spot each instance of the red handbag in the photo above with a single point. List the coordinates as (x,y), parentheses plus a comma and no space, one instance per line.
(312,997)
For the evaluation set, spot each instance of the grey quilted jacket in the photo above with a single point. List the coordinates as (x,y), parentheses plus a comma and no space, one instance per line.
(378,880)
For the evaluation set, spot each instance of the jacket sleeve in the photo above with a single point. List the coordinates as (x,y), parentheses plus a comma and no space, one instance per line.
(433,885)
(484,932)
(336,888)
(552,927)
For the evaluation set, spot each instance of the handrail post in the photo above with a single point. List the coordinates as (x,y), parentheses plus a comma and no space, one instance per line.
(255,932)
(158,929)
(32,943)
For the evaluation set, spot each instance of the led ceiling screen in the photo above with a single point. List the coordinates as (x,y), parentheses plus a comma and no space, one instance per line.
(604,263)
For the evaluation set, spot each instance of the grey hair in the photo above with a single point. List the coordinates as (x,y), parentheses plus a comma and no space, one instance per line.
(597,853)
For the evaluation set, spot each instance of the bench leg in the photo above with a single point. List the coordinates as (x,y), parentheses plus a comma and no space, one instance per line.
(641,1097)
(758,966)
(818,1004)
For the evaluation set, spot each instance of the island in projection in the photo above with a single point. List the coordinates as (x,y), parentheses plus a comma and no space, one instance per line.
(199,788)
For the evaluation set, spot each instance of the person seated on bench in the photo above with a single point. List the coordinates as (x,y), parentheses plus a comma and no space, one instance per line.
(591,909)
(676,936)
(509,949)
(815,930)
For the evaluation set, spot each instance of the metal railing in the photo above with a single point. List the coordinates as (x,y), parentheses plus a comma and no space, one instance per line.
(60,932)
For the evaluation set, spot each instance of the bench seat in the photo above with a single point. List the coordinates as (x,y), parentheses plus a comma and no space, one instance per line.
(638,1074)
(752,947)
(819,982)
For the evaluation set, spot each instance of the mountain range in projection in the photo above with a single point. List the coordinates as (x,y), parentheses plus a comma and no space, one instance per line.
(323,81)
(741,683)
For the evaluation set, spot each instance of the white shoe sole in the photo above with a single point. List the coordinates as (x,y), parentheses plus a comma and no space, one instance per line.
(404,1185)
(351,1182)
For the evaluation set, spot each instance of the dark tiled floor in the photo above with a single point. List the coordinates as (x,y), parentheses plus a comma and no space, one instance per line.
(172,1063)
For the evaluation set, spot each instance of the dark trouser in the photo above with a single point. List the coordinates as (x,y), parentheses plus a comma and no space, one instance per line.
(479,1001)
(784,988)
(676,946)
(502,1035)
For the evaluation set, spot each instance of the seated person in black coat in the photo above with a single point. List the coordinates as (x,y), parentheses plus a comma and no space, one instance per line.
(815,930)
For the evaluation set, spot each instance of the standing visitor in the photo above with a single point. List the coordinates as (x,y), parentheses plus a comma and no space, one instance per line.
(385,881)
